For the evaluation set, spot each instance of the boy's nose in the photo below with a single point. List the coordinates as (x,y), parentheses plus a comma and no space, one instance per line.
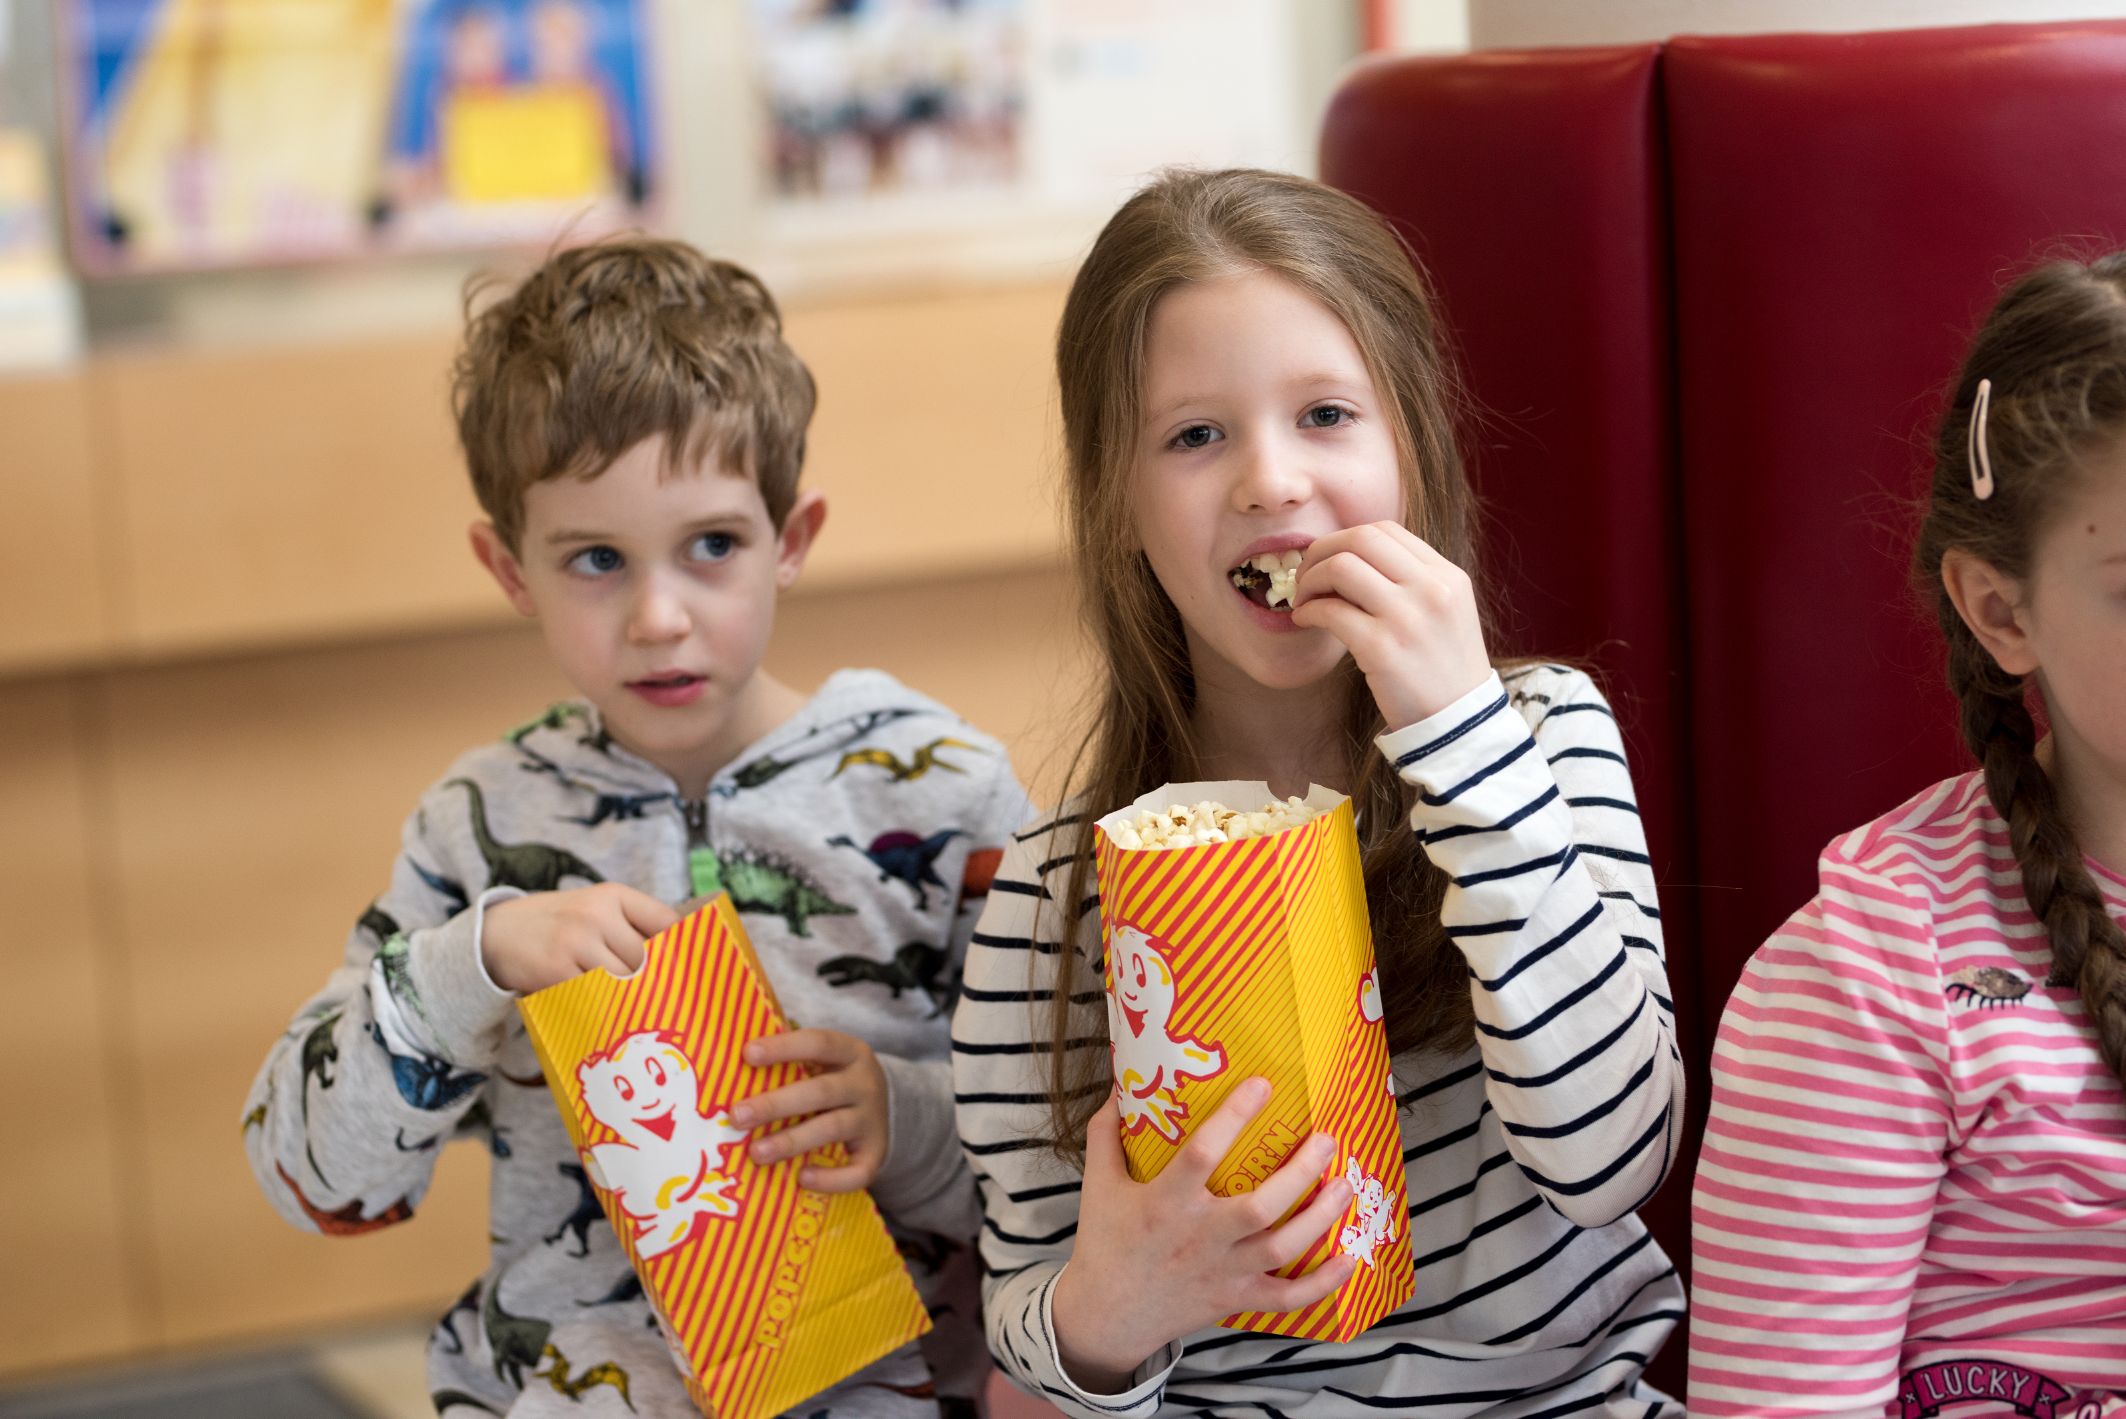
(657,615)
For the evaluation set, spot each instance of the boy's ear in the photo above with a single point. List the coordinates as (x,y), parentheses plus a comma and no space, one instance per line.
(1991,604)
(502,565)
(799,530)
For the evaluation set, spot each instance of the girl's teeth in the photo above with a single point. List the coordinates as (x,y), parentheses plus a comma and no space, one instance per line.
(1282,568)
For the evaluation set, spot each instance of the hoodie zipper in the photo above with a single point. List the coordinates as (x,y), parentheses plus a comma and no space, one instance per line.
(704,871)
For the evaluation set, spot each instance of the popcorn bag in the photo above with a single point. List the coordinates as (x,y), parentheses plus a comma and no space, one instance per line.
(1254,956)
(767,1293)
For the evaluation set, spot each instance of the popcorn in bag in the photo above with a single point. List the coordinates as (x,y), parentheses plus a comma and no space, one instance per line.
(1237,944)
(767,1293)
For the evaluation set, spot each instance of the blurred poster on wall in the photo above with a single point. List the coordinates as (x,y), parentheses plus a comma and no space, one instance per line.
(886,102)
(40,321)
(234,132)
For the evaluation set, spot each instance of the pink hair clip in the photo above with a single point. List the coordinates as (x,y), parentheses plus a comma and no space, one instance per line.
(1981,464)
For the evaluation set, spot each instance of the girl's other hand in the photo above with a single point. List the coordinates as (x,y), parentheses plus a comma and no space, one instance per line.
(1406,613)
(1155,1261)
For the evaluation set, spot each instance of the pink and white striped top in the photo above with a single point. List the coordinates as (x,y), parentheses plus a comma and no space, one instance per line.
(1913,1189)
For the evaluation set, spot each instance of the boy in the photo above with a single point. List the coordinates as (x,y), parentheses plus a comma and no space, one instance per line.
(634,425)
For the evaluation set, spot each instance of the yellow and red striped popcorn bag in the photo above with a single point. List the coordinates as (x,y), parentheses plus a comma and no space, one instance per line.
(767,1293)
(1249,957)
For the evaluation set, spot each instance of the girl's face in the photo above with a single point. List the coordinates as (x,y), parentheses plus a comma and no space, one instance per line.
(2073,617)
(1261,432)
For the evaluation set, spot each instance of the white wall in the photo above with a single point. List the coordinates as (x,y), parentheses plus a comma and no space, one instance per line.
(1531,23)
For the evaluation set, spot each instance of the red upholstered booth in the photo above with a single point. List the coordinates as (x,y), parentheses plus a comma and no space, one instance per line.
(1712,296)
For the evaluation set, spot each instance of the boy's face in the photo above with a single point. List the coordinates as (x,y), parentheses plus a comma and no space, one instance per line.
(656,594)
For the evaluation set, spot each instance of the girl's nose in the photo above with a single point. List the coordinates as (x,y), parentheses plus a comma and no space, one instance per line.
(658,614)
(1269,478)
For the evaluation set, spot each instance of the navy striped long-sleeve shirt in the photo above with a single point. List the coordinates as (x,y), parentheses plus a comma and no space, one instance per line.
(1538,1291)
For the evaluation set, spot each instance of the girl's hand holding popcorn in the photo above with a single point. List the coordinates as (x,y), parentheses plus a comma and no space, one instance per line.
(1406,613)
(1158,1260)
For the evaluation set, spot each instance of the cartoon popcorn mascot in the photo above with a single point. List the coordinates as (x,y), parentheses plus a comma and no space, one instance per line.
(1151,1063)
(667,1170)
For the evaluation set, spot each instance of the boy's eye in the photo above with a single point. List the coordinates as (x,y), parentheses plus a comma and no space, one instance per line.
(713,546)
(1327,416)
(1197,436)
(595,561)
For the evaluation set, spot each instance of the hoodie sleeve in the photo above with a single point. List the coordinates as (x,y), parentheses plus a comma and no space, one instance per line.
(346,1117)
(925,1182)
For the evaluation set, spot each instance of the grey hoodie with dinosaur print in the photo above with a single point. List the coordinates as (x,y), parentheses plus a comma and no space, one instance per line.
(857,841)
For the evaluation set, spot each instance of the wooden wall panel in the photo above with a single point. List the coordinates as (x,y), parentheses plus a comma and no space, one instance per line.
(52,546)
(66,1224)
(258,805)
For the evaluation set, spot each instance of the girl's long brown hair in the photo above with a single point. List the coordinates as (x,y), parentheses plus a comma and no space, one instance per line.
(1192,226)
(2055,350)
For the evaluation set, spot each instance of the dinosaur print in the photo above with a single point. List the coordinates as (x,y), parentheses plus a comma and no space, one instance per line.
(903,857)
(395,958)
(398,1141)
(255,1119)
(916,966)
(557,716)
(378,923)
(479,1119)
(604,1373)
(470,1301)
(923,761)
(518,1342)
(452,893)
(842,734)
(320,1052)
(348,1221)
(425,1081)
(587,1214)
(529,867)
(764,884)
(622,807)
(627,1288)
(446,1400)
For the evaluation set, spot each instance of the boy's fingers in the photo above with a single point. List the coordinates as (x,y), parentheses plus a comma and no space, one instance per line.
(1207,1147)
(852,1178)
(806,1096)
(828,1047)
(643,912)
(627,950)
(840,1126)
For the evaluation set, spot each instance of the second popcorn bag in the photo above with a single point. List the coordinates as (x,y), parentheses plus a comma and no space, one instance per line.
(1243,950)
(768,1293)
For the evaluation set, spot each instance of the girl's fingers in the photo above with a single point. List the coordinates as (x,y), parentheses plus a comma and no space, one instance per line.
(1103,1142)
(1302,1169)
(831,1048)
(1296,1293)
(1207,1146)
(1352,578)
(1293,1240)
(840,1126)
(1341,619)
(806,1096)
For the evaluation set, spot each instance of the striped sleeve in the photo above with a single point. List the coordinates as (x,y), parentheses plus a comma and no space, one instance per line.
(1029,1197)
(1831,1119)
(1551,899)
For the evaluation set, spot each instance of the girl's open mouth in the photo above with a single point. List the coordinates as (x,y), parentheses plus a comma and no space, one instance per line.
(1266,578)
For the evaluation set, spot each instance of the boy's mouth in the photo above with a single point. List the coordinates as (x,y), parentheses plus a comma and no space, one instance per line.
(1267,577)
(673,688)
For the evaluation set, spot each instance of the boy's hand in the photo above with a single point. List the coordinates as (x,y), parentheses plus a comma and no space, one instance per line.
(530,943)
(844,1101)
(1155,1261)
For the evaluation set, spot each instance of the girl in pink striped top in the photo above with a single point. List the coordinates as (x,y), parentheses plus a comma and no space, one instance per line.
(1913,1191)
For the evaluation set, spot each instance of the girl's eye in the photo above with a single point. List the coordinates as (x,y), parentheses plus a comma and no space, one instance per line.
(1197,436)
(1327,416)
(713,546)
(595,561)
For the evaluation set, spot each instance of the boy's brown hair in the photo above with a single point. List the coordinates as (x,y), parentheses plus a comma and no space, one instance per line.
(609,344)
